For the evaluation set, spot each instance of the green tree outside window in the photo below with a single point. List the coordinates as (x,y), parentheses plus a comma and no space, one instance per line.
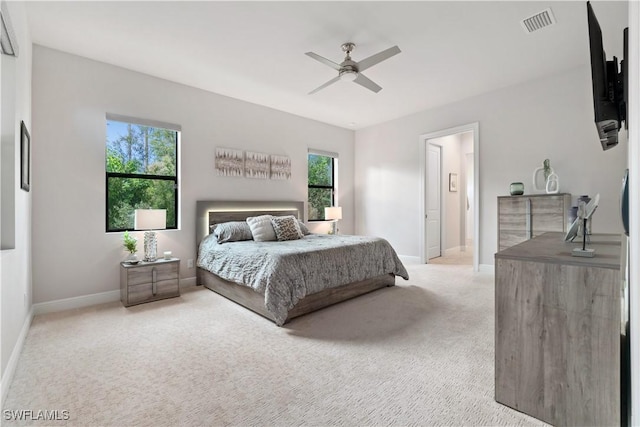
(141,166)
(321,185)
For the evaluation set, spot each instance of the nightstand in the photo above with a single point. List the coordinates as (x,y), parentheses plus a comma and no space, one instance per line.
(149,281)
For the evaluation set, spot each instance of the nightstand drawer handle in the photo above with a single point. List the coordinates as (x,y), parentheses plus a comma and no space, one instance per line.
(153,281)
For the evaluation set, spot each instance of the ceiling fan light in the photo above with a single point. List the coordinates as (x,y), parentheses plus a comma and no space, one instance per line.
(348,76)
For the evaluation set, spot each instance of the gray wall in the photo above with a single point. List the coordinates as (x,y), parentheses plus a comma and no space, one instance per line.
(520,126)
(72,254)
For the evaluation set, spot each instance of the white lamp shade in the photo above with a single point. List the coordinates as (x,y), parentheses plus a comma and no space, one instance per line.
(333,212)
(150,219)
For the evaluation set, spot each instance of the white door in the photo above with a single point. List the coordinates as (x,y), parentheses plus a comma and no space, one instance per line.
(433,201)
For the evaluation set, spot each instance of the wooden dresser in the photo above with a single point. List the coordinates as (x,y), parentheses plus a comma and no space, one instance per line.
(558,330)
(523,217)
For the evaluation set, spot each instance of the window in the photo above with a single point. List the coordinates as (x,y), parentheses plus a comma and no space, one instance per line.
(142,170)
(322,174)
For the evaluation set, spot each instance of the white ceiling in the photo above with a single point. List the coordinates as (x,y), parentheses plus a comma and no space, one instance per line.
(254,51)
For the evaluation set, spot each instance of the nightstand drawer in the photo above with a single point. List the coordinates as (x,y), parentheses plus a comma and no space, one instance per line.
(145,274)
(144,292)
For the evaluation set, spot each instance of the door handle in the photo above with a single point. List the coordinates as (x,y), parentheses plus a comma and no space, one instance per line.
(154,287)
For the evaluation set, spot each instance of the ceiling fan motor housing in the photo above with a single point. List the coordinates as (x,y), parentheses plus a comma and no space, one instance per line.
(348,70)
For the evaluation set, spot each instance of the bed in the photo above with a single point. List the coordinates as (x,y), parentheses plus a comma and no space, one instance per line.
(281,280)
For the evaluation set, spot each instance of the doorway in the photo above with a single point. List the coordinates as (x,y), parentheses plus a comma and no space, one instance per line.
(450,196)
(434,201)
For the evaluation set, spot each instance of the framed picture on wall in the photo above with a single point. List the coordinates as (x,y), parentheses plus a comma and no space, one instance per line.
(453,182)
(229,162)
(25,157)
(256,165)
(280,167)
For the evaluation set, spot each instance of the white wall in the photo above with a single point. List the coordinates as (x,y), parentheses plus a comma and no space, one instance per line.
(72,254)
(520,126)
(15,264)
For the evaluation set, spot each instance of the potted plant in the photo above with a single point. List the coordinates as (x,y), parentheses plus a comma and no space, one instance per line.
(131,244)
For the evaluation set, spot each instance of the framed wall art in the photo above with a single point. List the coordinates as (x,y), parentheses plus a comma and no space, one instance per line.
(229,162)
(25,157)
(280,167)
(256,165)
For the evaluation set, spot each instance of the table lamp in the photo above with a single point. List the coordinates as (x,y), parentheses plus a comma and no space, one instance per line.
(333,213)
(149,220)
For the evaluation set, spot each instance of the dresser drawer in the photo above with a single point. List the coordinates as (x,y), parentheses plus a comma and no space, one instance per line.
(144,292)
(145,273)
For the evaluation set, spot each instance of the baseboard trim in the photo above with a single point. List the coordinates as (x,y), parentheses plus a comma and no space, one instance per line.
(7,376)
(486,268)
(89,300)
(75,302)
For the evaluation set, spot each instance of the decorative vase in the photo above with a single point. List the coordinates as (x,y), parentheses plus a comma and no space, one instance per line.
(553,184)
(538,177)
(516,189)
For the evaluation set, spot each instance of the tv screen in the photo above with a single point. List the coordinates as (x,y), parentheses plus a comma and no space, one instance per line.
(608,86)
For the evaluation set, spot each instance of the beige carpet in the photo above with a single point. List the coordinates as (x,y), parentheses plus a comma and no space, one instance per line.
(420,353)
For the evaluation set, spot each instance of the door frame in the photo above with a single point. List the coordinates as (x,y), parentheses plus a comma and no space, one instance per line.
(423,141)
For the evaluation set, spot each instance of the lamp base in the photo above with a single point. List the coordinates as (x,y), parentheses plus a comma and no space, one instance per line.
(150,246)
(586,253)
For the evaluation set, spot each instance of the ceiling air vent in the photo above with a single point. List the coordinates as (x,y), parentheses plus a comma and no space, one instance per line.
(538,21)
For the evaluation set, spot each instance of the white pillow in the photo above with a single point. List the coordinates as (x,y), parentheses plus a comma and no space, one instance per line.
(261,228)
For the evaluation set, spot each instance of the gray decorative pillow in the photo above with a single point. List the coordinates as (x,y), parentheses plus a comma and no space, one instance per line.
(286,228)
(303,228)
(261,228)
(233,231)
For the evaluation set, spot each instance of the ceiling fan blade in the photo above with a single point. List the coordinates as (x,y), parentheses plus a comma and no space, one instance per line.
(330,82)
(324,60)
(378,57)
(366,82)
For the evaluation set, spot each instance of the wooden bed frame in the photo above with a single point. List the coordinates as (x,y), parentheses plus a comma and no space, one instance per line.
(214,212)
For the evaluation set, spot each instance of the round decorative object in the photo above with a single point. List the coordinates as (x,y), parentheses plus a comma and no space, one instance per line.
(539,179)
(516,189)
(553,184)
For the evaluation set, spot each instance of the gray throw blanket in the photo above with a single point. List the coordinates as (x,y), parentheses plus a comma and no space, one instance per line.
(286,272)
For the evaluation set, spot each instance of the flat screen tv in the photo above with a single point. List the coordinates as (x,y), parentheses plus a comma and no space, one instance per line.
(609,85)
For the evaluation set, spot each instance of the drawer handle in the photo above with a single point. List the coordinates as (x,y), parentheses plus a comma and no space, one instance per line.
(153,281)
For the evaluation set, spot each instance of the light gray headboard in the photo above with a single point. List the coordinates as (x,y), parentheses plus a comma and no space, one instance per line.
(210,212)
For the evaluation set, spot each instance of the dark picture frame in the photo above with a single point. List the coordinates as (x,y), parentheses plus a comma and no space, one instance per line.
(25,157)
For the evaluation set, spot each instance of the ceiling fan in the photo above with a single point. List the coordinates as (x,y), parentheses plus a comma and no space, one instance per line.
(350,70)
